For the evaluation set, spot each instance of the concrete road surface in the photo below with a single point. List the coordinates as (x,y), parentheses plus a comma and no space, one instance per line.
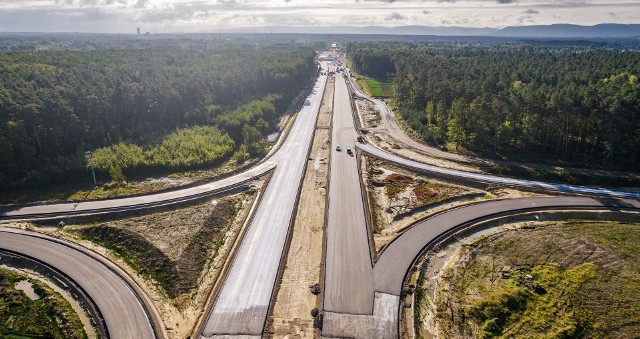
(398,257)
(242,304)
(348,269)
(124,316)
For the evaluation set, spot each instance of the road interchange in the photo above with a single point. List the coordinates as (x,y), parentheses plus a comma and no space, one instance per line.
(354,287)
(377,315)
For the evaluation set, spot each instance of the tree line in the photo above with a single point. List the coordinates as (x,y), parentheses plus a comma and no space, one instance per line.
(144,102)
(523,102)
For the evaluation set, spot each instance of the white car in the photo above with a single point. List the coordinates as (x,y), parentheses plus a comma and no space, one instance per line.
(338,148)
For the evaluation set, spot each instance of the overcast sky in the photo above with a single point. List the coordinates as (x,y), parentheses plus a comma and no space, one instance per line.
(161,16)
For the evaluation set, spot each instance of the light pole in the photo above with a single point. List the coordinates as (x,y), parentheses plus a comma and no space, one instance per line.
(93,172)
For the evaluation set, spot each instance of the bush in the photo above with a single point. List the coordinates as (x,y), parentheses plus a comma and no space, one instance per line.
(184,148)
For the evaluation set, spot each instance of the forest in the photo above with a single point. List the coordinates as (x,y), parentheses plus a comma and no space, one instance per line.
(161,107)
(541,103)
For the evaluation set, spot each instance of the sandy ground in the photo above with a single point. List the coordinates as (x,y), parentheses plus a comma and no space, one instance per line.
(433,265)
(394,216)
(292,311)
(389,144)
(369,114)
(171,232)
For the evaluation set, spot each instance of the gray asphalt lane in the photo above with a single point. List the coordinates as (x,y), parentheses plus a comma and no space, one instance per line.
(18,212)
(348,270)
(124,315)
(477,177)
(398,257)
(243,302)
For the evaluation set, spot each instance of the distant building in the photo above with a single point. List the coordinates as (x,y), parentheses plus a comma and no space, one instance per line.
(138,30)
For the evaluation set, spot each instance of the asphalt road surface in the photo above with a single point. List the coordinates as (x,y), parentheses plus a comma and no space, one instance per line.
(124,316)
(242,305)
(348,270)
(398,257)
(390,126)
(106,206)
(476,177)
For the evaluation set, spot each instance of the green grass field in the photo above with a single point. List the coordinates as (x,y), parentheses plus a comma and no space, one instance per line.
(379,89)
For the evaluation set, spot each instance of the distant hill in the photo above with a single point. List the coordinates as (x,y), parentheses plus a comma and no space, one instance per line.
(399,30)
(570,31)
(534,31)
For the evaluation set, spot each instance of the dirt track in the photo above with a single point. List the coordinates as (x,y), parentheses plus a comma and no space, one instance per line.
(292,311)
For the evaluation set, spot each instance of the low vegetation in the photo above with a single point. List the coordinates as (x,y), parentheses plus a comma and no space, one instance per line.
(379,89)
(560,280)
(562,176)
(394,193)
(141,255)
(50,316)
(175,275)
(397,183)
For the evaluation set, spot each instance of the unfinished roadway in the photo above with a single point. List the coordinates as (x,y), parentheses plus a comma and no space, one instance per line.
(360,300)
(241,307)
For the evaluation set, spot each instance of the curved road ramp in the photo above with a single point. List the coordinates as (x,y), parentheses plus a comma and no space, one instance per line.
(122,311)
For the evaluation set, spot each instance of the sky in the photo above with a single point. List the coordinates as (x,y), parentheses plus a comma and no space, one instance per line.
(165,16)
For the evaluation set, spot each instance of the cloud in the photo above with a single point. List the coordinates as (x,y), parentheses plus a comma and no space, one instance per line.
(122,16)
(141,4)
(395,16)
(525,18)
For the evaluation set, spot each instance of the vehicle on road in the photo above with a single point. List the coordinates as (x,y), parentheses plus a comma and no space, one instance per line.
(349,151)
(338,148)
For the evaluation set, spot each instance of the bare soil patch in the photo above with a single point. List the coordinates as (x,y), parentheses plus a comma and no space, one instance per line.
(398,197)
(369,114)
(391,145)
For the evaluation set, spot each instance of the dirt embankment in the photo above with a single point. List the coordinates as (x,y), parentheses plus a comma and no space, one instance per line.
(398,197)
(196,241)
(292,311)
(555,279)
(176,256)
